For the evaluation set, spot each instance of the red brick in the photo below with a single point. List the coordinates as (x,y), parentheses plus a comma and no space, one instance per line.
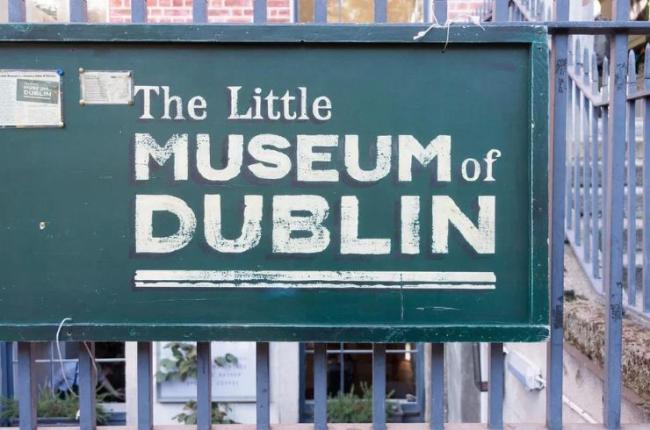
(175,12)
(234,3)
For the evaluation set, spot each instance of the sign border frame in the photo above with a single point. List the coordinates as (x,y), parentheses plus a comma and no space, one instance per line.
(535,37)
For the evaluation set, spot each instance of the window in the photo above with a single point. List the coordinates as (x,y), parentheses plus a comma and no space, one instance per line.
(362,11)
(349,370)
(57,375)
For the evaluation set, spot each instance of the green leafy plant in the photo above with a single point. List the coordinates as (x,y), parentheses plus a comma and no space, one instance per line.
(353,408)
(226,360)
(183,363)
(52,405)
(219,414)
(181,366)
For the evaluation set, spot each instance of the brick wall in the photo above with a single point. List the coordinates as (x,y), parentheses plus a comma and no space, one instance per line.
(461,9)
(241,11)
(180,11)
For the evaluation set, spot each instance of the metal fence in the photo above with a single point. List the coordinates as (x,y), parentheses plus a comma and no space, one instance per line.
(589,168)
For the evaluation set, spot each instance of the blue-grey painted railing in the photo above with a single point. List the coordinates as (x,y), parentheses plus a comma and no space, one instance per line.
(591,117)
(586,209)
(557,159)
(601,164)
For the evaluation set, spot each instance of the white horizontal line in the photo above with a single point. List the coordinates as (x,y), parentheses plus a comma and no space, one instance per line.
(208,284)
(353,276)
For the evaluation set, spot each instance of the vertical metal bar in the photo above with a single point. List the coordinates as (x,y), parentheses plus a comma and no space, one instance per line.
(568,142)
(500,12)
(558,168)
(378,386)
(295,15)
(259,11)
(437,386)
(420,386)
(87,386)
(426,10)
(577,128)
(381,11)
(496,387)
(302,354)
(320,11)
(646,186)
(605,136)
(145,386)
(138,11)
(613,243)
(27,394)
(586,161)
(203,385)
(199,11)
(341,368)
(631,181)
(78,10)
(263,386)
(6,370)
(16,11)
(440,11)
(596,178)
(320,386)
(51,365)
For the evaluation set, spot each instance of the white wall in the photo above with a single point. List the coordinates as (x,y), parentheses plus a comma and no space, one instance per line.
(521,405)
(284,389)
(583,390)
(4,9)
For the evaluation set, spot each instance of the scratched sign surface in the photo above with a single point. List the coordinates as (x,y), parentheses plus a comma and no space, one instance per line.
(364,187)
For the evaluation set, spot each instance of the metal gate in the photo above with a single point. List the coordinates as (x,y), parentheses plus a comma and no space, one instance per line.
(614,109)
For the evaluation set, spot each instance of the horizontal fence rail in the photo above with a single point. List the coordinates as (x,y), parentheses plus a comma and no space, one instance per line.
(596,109)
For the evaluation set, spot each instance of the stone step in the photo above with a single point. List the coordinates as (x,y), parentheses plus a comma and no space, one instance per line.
(638,266)
(638,165)
(638,139)
(599,194)
(639,233)
(638,273)
(638,145)
(638,270)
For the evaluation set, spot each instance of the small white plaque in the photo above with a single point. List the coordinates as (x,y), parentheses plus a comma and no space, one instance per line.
(30,98)
(105,87)
(231,381)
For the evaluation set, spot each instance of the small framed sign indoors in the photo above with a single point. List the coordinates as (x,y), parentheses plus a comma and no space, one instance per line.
(232,370)
(278,183)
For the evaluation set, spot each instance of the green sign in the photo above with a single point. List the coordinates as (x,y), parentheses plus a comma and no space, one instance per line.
(278,183)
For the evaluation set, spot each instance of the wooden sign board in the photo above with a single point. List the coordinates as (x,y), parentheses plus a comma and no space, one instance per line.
(278,183)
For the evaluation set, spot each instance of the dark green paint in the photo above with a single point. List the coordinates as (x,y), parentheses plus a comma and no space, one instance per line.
(486,90)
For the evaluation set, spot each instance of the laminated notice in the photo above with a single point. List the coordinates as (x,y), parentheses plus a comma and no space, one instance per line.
(102,87)
(30,98)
